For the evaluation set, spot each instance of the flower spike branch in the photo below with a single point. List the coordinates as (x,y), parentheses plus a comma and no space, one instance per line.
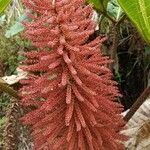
(69,83)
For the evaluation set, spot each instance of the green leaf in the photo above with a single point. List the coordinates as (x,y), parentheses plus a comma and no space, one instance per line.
(114,9)
(17,27)
(139,13)
(2,121)
(4,4)
(99,5)
(2,19)
(147,50)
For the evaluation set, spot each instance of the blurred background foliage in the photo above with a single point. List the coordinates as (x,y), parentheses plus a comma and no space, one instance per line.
(130,50)
(12,46)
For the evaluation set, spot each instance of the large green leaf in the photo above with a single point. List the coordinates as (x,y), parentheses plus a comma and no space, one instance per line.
(100,5)
(139,13)
(4,4)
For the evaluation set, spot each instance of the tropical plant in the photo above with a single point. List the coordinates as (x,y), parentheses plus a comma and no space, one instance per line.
(69,97)
(71,112)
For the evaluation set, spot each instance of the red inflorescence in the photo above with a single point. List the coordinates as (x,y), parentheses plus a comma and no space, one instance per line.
(69,83)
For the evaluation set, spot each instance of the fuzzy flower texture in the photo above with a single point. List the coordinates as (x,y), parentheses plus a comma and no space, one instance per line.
(69,85)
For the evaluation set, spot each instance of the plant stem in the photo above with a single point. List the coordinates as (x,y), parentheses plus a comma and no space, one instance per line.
(137,104)
(5,88)
(110,18)
(121,20)
(107,16)
(113,49)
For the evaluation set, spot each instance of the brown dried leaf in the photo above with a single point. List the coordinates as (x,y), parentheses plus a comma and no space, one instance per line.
(139,129)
